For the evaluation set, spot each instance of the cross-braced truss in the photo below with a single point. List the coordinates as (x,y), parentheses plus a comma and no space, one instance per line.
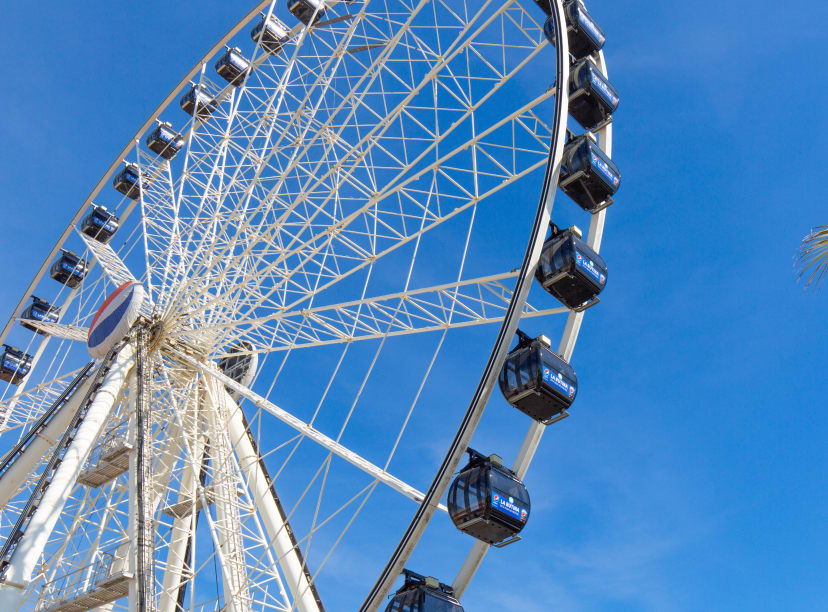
(345,221)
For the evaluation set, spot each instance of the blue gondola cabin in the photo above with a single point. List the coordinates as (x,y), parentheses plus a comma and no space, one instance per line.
(128,181)
(592,98)
(165,141)
(307,11)
(39,311)
(232,67)
(570,270)
(196,102)
(271,34)
(545,5)
(536,381)
(584,34)
(240,364)
(588,176)
(100,224)
(423,594)
(69,269)
(14,364)
(487,500)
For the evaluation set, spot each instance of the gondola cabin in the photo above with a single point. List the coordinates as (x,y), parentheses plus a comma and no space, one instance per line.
(100,224)
(197,102)
(307,11)
(536,381)
(14,364)
(232,67)
(165,141)
(588,176)
(570,270)
(421,594)
(128,181)
(585,35)
(69,269)
(240,364)
(487,501)
(39,311)
(592,98)
(270,33)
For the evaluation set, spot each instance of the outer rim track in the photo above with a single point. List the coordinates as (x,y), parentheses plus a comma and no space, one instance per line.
(503,340)
(484,389)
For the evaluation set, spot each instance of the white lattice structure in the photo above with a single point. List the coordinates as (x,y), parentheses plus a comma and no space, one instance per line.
(356,215)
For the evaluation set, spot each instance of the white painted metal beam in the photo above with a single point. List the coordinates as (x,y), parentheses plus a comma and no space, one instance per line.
(272,515)
(22,467)
(27,552)
(465,303)
(303,428)
(224,486)
(61,330)
(110,262)
(180,535)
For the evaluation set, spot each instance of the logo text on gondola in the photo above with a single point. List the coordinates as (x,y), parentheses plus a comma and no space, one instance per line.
(604,169)
(507,505)
(556,380)
(604,88)
(589,25)
(588,266)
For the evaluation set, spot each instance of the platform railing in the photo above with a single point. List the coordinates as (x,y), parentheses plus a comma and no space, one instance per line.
(114,438)
(105,566)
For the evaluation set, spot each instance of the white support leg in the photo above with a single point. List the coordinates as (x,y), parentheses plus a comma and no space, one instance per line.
(23,466)
(169,455)
(31,545)
(272,515)
(174,573)
(126,550)
(224,489)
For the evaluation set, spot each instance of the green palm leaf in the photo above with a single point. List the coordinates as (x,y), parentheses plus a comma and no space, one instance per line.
(812,259)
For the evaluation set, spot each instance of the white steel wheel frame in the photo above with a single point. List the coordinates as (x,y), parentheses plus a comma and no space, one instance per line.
(187,381)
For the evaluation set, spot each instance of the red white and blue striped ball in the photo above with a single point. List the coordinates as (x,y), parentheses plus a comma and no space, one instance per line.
(115,318)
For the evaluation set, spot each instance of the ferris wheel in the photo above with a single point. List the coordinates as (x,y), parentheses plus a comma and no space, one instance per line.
(288,283)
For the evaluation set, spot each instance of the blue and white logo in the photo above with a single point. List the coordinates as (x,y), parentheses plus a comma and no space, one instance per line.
(590,27)
(603,88)
(507,505)
(556,380)
(604,169)
(588,266)
(114,318)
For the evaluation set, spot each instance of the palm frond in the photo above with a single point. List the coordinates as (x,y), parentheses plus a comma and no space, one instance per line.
(811,261)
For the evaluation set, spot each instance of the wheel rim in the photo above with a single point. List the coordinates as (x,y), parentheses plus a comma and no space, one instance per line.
(282,230)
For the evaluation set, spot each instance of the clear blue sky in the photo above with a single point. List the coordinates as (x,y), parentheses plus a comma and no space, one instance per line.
(692,474)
